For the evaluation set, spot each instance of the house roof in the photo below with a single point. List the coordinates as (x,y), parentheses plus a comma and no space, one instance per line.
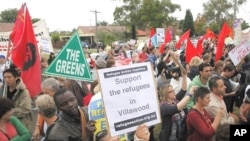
(6,27)
(141,33)
(91,29)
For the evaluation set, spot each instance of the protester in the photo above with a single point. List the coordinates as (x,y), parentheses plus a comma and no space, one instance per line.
(18,93)
(51,57)
(73,123)
(49,87)
(47,110)
(172,110)
(200,80)
(11,129)
(227,73)
(218,88)
(200,126)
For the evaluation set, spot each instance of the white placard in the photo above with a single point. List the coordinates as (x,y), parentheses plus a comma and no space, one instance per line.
(45,45)
(130,97)
(160,35)
(240,51)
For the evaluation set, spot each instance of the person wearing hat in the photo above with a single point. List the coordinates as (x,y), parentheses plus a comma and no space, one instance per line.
(100,63)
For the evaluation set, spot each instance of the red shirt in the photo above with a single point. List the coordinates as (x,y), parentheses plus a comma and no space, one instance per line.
(143,57)
(200,126)
(10,132)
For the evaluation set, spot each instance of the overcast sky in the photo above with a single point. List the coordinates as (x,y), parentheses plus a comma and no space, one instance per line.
(69,14)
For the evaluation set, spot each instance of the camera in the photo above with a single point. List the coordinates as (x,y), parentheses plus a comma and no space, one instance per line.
(173,72)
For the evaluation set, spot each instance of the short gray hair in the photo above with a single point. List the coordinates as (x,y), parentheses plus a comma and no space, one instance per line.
(46,105)
(51,83)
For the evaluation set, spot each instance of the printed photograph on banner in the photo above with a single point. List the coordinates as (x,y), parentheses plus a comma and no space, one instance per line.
(129,96)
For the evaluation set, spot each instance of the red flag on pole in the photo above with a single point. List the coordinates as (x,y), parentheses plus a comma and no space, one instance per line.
(25,54)
(152,33)
(209,34)
(191,51)
(182,39)
(225,31)
(168,37)
(199,46)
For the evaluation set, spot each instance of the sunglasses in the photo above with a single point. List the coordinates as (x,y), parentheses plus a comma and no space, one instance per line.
(100,135)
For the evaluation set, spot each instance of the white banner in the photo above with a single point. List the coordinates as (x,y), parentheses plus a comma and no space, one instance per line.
(237,32)
(130,97)
(240,51)
(41,33)
(160,32)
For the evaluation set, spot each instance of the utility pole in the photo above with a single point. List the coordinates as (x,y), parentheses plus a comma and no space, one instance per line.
(235,10)
(96,31)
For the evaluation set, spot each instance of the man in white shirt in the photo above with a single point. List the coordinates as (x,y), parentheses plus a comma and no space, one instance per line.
(217,87)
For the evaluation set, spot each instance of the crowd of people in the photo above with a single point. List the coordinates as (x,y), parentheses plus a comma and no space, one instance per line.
(202,90)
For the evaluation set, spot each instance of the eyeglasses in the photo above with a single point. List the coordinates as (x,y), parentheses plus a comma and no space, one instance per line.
(100,135)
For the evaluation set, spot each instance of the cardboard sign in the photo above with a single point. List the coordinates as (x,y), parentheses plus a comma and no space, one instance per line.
(70,62)
(130,97)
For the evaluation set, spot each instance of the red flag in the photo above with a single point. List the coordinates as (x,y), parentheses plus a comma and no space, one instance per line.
(191,51)
(25,54)
(152,33)
(209,34)
(225,31)
(182,39)
(168,37)
(199,46)
(162,48)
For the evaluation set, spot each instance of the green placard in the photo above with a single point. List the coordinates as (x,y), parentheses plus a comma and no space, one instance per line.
(70,62)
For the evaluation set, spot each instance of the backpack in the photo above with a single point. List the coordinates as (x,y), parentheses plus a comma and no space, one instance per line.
(183,135)
(240,92)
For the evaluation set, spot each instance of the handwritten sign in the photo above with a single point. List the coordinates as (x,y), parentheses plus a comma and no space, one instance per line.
(240,51)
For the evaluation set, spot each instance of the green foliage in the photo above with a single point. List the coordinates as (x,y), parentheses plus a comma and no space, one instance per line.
(8,16)
(145,13)
(220,10)
(102,23)
(109,37)
(215,27)
(55,37)
(188,23)
(133,32)
(34,20)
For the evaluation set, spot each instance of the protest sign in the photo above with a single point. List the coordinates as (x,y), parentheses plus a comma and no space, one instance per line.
(70,62)
(129,96)
(240,51)
(96,113)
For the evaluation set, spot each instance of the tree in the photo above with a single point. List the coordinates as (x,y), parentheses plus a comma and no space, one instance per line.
(34,20)
(145,13)
(188,23)
(220,11)
(200,25)
(102,23)
(8,16)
